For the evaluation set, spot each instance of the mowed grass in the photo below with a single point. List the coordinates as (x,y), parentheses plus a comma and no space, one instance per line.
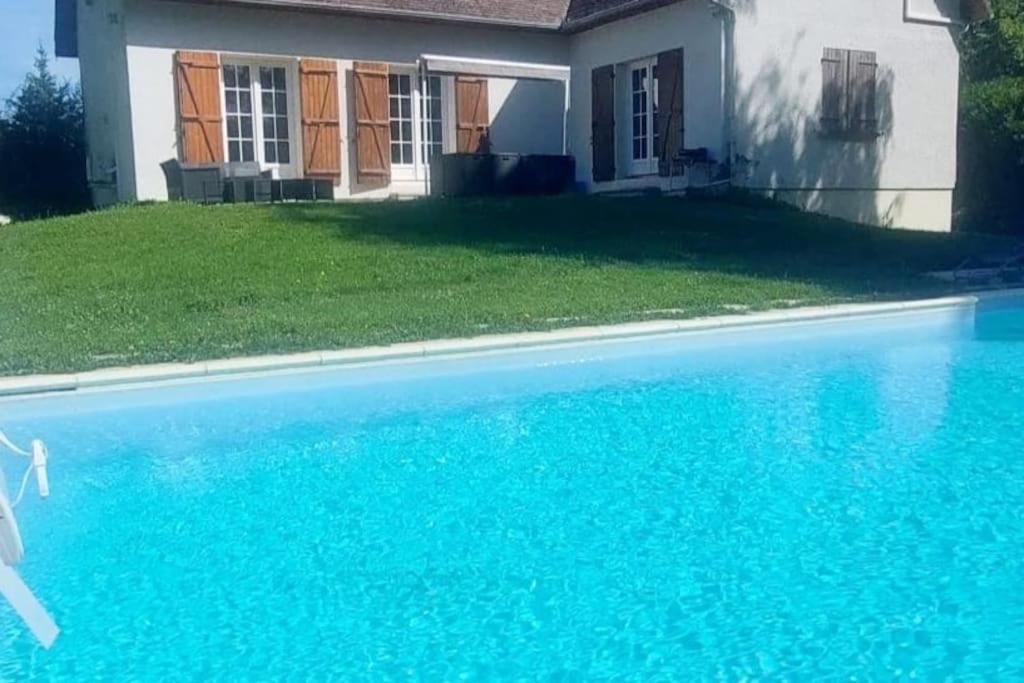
(177,282)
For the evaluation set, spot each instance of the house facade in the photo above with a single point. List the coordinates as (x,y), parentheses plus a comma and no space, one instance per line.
(842,107)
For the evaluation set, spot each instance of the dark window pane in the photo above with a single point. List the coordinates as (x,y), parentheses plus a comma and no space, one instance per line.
(406,108)
(268,127)
(283,153)
(396,154)
(395,133)
(243,77)
(435,109)
(281,103)
(245,102)
(247,151)
(404,84)
(279,78)
(267,99)
(392,84)
(233,153)
(247,127)
(232,127)
(229,76)
(269,152)
(231,101)
(393,107)
(282,128)
(435,132)
(407,130)
(266,79)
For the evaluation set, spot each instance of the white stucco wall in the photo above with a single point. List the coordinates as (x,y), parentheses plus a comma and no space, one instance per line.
(155,30)
(103,64)
(689,25)
(526,116)
(778,94)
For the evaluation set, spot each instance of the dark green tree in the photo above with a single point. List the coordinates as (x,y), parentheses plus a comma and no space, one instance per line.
(991,183)
(42,147)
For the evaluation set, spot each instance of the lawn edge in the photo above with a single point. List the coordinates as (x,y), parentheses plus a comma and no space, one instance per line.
(27,385)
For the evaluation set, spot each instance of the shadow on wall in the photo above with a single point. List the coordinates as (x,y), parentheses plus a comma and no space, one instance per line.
(783,149)
(528,116)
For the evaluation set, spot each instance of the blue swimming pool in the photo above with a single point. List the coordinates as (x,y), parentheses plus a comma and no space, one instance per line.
(813,501)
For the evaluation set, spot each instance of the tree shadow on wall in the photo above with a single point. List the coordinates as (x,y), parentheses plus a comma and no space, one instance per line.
(783,149)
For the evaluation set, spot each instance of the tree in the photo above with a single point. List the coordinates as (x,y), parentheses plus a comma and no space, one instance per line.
(992,121)
(42,146)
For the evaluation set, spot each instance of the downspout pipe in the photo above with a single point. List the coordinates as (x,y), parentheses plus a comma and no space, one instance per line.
(724,10)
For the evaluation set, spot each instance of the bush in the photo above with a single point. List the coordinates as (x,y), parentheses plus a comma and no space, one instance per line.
(991,173)
(42,147)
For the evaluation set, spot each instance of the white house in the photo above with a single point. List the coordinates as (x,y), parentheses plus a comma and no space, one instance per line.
(848,107)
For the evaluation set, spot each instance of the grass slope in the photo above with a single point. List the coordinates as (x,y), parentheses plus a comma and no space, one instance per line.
(179,282)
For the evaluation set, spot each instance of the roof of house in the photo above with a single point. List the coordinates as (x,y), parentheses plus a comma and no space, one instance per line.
(539,14)
(553,15)
(977,10)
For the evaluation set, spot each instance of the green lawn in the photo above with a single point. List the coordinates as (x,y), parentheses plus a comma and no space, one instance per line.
(179,282)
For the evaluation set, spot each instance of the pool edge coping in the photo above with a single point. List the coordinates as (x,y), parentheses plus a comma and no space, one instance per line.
(29,385)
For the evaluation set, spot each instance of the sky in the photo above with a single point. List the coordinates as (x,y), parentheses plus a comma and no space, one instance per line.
(26,24)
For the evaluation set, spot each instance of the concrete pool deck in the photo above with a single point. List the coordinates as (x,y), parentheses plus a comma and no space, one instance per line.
(27,385)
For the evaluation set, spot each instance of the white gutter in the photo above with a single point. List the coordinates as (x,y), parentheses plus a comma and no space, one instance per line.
(471,66)
(728,14)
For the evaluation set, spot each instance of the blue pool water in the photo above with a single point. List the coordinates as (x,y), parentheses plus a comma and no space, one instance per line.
(820,501)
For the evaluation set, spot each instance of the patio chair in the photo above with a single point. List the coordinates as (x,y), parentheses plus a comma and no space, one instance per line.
(201,183)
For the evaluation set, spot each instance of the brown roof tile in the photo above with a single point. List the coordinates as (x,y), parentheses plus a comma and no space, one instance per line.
(542,14)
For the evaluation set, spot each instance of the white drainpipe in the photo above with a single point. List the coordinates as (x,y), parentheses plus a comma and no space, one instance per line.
(727,13)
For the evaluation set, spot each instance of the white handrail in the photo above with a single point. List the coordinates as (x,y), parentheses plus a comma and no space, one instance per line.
(12,588)
(39,456)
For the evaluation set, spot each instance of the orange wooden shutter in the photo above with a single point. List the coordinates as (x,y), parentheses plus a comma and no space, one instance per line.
(472,123)
(197,75)
(321,124)
(373,123)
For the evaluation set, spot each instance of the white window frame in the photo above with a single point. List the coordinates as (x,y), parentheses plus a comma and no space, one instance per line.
(293,169)
(648,164)
(418,170)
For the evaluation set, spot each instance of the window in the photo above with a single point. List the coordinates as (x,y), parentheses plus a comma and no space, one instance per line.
(431,118)
(848,97)
(416,111)
(274,109)
(258,114)
(400,103)
(643,111)
(238,110)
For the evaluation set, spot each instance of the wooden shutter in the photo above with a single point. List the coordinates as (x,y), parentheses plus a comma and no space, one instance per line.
(321,126)
(861,107)
(834,78)
(670,124)
(602,86)
(200,137)
(472,117)
(373,123)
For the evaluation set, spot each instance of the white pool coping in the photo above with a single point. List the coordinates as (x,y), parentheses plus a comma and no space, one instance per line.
(27,385)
